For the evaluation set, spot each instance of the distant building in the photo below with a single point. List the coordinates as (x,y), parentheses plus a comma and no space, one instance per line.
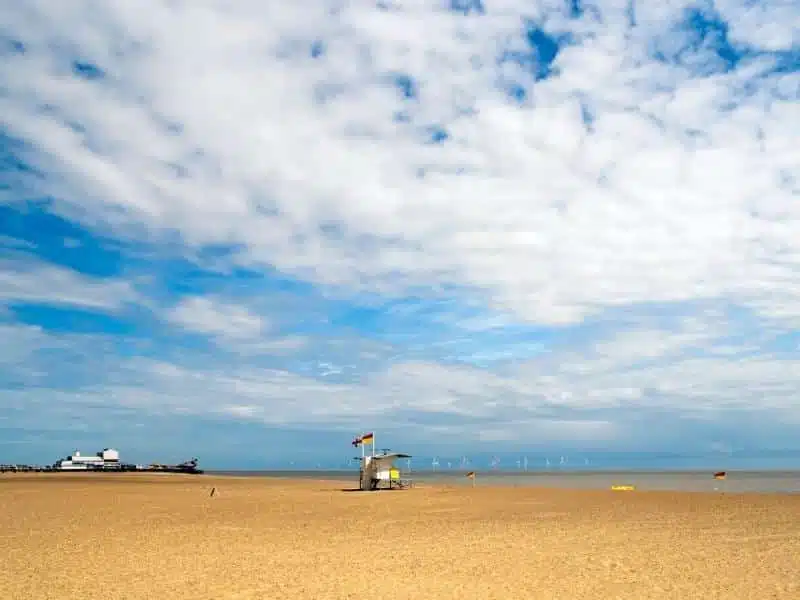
(107,459)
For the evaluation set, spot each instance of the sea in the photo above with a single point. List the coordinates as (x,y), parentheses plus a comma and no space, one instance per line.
(787,482)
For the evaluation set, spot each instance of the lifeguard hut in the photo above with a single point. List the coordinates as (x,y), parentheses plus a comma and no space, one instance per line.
(379,471)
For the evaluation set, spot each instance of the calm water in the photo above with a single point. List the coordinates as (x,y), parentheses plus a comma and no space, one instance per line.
(694,481)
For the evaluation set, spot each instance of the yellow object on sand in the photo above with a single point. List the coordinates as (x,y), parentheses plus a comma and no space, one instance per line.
(623,488)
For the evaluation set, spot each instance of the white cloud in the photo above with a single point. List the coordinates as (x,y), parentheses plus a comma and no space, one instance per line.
(549,221)
(210,316)
(597,391)
(25,281)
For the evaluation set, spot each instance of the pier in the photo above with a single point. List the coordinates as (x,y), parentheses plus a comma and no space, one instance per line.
(105,461)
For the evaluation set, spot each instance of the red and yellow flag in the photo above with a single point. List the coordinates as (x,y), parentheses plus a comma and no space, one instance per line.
(367,438)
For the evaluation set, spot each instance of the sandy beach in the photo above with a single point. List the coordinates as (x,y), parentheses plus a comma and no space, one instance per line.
(111,537)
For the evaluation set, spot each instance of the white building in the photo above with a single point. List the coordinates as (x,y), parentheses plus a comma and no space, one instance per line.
(108,458)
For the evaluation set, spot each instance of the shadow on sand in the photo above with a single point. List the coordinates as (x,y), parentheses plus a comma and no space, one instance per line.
(393,489)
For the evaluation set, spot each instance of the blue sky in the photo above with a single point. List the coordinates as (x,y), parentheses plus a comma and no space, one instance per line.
(474,227)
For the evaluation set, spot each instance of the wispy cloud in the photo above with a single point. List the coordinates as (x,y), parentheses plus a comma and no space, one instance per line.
(205,315)
(22,281)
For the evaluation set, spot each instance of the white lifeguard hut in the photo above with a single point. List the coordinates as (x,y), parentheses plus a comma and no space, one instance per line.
(379,471)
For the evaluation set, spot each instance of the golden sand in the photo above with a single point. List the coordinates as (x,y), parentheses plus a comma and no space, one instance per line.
(109,537)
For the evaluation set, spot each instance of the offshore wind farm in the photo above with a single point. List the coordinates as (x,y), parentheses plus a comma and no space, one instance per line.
(549,462)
